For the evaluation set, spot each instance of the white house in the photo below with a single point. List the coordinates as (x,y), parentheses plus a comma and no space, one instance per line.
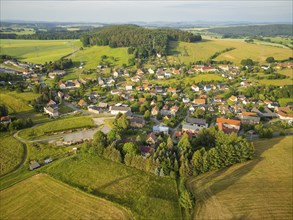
(116,109)
(160,128)
(53,112)
(128,87)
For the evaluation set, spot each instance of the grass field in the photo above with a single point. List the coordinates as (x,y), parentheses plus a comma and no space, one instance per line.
(17,104)
(276,82)
(191,52)
(11,153)
(91,56)
(38,51)
(57,125)
(146,195)
(259,189)
(284,101)
(42,197)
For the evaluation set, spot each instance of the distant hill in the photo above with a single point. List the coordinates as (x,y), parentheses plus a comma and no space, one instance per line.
(255,30)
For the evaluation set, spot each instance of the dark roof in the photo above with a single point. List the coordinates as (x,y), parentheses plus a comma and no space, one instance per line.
(196,121)
(34,165)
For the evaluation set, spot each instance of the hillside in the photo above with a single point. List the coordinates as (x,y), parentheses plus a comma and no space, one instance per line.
(259,189)
(42,197)
(254,30)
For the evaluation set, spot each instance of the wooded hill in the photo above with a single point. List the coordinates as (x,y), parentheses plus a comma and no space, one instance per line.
(254,30)
(143,42)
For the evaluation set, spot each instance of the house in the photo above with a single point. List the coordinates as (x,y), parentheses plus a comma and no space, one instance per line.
(224,67)
(155,110)
(153,102)
(142,100)
(128,87)
(124,110)
(94,109)
(146,151)
(117,73)
(190,129)
(233,98)
(151,139)
(168,75)
(51,102)
(195,88)
(137,122)
(249,118)
(176,72)
(171,90)
(191,109)
(135,79)
(218,99)
(159,89)
(101,81)
(208,69)
(285,113)
(273,105)
(228,126)
(199,101)
(116,92)
(48,160)
(55,73)
(174,109)
(193,125)
(139,72)
(207,88)
(103,105)
(34,165)
(52,111)
(82,103)
(224,109)
(5,119)
(151,71)
(185,100)
(160,129)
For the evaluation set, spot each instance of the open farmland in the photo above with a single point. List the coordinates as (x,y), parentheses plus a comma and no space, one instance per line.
(55,126)
(42,197)
(38,51)
(11,153)
(258,189)
(91,56)
(146,195)
(190,52)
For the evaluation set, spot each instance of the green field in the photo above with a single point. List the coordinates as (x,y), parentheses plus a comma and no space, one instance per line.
(191,52)
(38,51)
(91,56)
(276,82)
(42,197)
(55,126)
(146,195)
(258,189)
(11,153)
(17,104)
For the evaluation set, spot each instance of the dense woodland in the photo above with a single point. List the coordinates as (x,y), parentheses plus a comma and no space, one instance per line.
(254,30)
(142,42)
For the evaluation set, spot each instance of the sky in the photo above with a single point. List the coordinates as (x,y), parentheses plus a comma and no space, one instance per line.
(148,11)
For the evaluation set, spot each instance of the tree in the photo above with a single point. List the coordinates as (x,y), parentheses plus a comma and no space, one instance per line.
(99,142)
(169,143)
(3,110)
(185,200)
(130,148)
(184,145)
(147,115)
(162,172)
(270,60)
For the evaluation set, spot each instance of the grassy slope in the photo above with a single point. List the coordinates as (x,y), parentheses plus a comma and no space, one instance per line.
(91,56)
(57,125)
(38,51)
(17,104)
(41,197)
(259,189)
(203,50)
(147,196)
(11,153)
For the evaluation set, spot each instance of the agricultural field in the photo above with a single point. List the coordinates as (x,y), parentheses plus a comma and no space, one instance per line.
(146,195)
(91,56)
(276,82)
(184,52)
(55,126)
(42,197)
(17,104)
(258,189)
(18,31)
(11,153)
(38,51)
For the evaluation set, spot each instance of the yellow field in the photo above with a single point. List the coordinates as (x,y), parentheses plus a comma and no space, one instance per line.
(203,50)
(258,189)
(42,197)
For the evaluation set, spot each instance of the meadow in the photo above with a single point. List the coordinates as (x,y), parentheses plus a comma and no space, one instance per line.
(146,195)
(258,189)
(42,197)
(38,51)
(183,52)
(55,126)
(11,153)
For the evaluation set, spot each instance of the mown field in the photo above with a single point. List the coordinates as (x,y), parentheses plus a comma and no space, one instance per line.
(11,153)
(146,195)
(91,56)
(55,126)
(259,189)
(18,106)
(42,197)
(38,51)
(190,52)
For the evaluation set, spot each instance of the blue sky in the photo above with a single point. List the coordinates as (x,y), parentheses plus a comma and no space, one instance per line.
(129,11)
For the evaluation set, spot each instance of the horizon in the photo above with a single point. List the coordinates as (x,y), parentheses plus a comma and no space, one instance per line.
(147,11)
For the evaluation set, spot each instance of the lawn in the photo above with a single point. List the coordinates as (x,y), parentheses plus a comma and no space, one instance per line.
(285,101)
(63,109)
(42,197)
(11,153)
(146,195)
(91,56)
(258,189)
(38,51)
(191,52)
(55,126)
